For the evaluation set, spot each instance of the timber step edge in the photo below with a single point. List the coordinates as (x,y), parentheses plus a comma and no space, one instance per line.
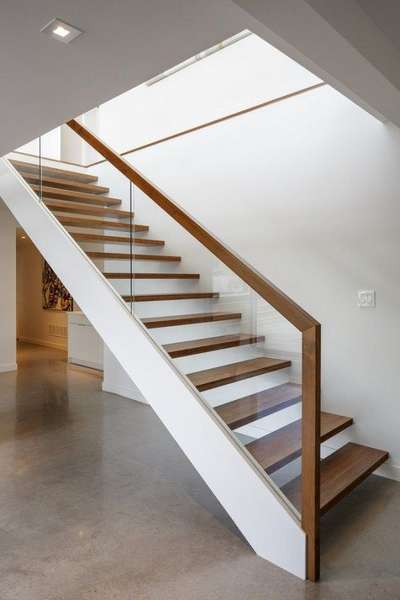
(74,196)
(277,449)
(98,224)
(110,275)
(53,171)
(173,320)
(65,184)
(179,349)
(225,374)
(85,209)
(115,239)
(127,256)
(261,404)
(341,472)
(164,297)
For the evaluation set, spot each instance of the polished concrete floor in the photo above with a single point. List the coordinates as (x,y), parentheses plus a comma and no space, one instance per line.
(97,502)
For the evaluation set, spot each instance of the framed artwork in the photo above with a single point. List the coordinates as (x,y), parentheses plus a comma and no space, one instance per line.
(54,295)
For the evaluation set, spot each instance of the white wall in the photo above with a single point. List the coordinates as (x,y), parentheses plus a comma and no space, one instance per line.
(246,73)
(8,291)
(307,191)
(346,43)
(50,145)
(242,75)
(36,325)
(71,147)
(64,144)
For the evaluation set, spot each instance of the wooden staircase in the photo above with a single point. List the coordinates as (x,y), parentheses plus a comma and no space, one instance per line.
(341,472)
(67,193)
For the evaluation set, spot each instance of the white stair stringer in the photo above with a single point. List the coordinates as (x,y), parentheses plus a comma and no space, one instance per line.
(244,490)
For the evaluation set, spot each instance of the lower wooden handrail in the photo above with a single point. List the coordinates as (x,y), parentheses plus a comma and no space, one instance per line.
(310,328)
(234,115)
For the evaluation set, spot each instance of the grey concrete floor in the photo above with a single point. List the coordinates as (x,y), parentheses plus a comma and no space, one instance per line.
(98,502)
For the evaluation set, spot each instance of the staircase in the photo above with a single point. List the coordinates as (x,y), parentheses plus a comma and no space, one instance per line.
(206,334)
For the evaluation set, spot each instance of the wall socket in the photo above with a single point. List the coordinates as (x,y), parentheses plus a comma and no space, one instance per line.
(366,298)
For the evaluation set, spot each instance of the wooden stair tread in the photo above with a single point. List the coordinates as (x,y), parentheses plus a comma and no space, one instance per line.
(261,404)
(162,297)
(341,472)
(217,376)
(54,171)
(127,256)
(54,193)
(85,209)
(278,448)
(114,239)
(109,275)
(68,184)
(98,224)
(220,342)
(170,321)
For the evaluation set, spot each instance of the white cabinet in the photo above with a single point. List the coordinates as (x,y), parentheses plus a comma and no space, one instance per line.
(85,347)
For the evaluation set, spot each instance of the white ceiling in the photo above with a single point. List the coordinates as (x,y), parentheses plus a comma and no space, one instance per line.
(44,83)
(386,15)
(371,27)
(352,45)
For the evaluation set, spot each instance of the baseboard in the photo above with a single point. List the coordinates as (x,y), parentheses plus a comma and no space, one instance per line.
(7,367)
(44,343)
(123,391)
(389,469)
(85,363)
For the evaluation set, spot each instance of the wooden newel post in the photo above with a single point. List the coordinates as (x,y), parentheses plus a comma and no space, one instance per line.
(311,426)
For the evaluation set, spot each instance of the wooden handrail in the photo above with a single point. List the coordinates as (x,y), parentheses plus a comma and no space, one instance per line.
(227,117)
(184,132)
(267,290)
(310,328)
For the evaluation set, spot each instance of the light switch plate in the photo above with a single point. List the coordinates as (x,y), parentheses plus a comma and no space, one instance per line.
(366,298)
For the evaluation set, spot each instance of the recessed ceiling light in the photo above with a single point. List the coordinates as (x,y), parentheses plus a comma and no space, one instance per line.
(61,31)
(23,237)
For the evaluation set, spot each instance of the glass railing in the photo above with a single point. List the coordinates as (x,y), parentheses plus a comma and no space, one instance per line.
(250,351)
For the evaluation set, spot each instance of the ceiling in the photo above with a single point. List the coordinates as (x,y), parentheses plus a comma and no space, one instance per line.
(44,82)
(371,27)
(386,16)
(352,45)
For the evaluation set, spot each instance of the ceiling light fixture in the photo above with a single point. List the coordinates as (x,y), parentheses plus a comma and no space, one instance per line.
(61,31)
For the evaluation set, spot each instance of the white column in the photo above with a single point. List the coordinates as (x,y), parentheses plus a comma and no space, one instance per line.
(8,296)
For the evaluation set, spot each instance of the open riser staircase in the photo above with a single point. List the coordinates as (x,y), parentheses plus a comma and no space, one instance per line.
(198,358)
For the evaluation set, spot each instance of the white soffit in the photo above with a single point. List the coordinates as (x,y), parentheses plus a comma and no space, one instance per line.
(43,83)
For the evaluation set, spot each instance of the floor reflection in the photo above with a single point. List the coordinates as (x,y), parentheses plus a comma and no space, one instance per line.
(42,389)
(98,502)
(46,407)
